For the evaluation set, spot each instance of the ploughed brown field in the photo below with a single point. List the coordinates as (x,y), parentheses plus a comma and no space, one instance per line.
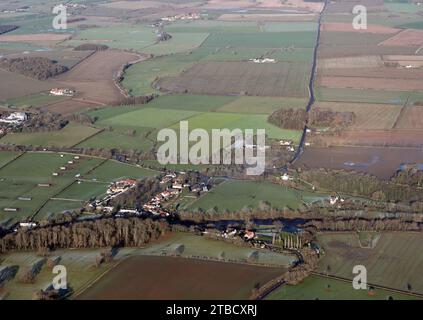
(94,79)
(13,85)
(406,38)
(371,83)
(162,278)
(381,162)
(376,138)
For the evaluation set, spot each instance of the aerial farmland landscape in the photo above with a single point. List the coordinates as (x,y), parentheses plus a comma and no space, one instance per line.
(211,150)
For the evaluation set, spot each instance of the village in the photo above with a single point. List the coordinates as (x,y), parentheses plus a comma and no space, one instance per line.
(173,187)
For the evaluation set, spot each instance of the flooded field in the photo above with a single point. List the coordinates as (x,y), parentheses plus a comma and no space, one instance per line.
(154,277)
(378,161)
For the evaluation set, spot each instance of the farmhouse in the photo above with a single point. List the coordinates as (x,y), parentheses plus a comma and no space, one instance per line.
(27,224)
(62,92)
(121,186)
(265,60)
(15,118)
(285,142)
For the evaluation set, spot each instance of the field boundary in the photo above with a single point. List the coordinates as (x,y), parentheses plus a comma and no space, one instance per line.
(414,294)
(10,161)
(89,137)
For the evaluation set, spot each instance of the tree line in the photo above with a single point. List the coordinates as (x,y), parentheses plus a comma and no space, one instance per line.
(109,232)
(296,119)
(35,67)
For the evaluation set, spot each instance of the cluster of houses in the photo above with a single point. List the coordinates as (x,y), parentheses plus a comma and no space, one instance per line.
(289,144)
(333,200)
(62,92)
(155,205)
(71,5)
(115,189)
(182,16)
(264,60)
(13,120)
(119,187)
(21,9)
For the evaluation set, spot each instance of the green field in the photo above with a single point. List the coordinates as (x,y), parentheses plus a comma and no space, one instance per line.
(139,77)
(118,37)
(403,7)
(20,178)
(370,96)
(180,42)
(54,207)
(212,26)
(200,103)
(83,191)
(147,118)
(235,195)
(261,40)
(112,170)
(262,105)
(321,288)
(217,120)
(394,261)
(129,139)
(35,100)
(80,267)
(6,157)
(69,136)
(204,247)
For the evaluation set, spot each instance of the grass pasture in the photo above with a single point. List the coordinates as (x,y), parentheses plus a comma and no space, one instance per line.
(261,40)
(35,100)
(262,105)
(80,267)
(139,77)
(198,103)
(395,260)
(121,139)
(321,288)
(216,120)
(7,156)
(235,195)
(118,37)
(112,170)
(180,42)
(147,118)
(197,246)
(367,95)
(69,136)
(20,178)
